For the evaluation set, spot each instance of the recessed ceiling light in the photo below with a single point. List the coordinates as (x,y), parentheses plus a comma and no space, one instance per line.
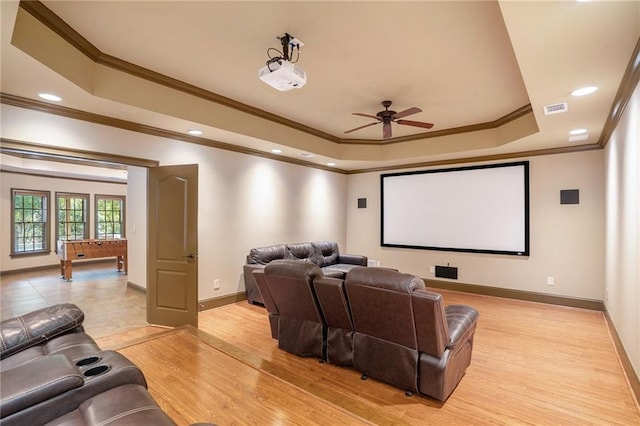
(331,164)
(276,151)
(578,131)
(305,155)
(195,132)
(50,97)
(584,91)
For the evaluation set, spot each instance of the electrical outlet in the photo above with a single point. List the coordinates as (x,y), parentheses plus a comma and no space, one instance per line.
(216,284)
(432,269)
(551,281)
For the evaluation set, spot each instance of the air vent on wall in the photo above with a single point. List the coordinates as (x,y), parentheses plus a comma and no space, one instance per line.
(556,108)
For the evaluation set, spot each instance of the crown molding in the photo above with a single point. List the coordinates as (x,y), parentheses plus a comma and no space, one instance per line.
(627,86)
(64,30)
(71,155)
(90,117)
(28,147)
(484,158)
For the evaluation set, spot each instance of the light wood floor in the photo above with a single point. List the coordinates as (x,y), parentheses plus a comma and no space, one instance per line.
(532,364)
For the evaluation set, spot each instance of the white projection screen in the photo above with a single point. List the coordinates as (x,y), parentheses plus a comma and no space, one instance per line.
(480,209)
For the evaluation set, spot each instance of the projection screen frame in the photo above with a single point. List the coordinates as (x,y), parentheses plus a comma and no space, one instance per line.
(525,249)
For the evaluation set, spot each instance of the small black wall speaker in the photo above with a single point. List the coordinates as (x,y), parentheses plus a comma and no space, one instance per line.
(362,203)
(569,196)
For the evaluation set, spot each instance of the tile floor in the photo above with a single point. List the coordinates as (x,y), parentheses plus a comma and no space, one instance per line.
(97,288)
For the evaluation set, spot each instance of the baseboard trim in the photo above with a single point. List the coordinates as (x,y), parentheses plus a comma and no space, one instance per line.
(136,287)
(216,302)
(632,378)
(52,266)
(595,305)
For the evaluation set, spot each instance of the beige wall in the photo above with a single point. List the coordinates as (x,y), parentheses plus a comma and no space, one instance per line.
(244,201)
(20,181)
(567,241)
(137,225)
(622,259)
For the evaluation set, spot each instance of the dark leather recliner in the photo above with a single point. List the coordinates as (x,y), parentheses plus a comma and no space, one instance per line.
(301,326)
(337,314)
(52,330)
(405,336)
(122,406)
(36,327)
(266,297)
(445,341)
(51,371)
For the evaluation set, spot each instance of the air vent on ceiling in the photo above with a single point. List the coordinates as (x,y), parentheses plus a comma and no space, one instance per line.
(578,138)
(556,108)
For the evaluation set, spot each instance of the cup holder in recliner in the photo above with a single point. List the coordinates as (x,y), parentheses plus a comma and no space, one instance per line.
(88,361)
(95,371)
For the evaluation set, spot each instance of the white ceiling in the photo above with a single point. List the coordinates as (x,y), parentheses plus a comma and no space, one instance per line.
(462,63)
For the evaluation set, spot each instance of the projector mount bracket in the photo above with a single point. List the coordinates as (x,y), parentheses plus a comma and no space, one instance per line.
(289,45)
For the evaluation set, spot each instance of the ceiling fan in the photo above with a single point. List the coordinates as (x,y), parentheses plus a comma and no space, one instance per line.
(386,117)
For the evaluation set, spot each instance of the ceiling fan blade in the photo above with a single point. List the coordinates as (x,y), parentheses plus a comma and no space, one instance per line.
(415,123)
(362,127)
(406,112)
(386,130)
(366,115)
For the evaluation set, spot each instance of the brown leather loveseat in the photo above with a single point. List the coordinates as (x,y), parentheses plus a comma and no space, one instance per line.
(325,254)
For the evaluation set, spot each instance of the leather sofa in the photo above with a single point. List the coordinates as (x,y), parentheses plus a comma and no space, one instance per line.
(54,373)
(325,254)
(382,322)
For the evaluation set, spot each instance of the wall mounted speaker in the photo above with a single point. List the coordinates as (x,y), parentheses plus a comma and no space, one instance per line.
(569,196)
(362,203)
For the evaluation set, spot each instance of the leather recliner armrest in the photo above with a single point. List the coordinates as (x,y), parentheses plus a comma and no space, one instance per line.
(353,259)
(37,381)
(461,321)
(34,328)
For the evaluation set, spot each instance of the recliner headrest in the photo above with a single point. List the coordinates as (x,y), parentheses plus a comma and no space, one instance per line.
(385,278)
(293,269)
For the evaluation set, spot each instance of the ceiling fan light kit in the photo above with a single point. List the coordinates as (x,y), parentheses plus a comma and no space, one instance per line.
(388,116)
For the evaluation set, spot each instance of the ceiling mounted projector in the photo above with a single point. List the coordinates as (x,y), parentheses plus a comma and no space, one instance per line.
(283,75)
(281,72)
